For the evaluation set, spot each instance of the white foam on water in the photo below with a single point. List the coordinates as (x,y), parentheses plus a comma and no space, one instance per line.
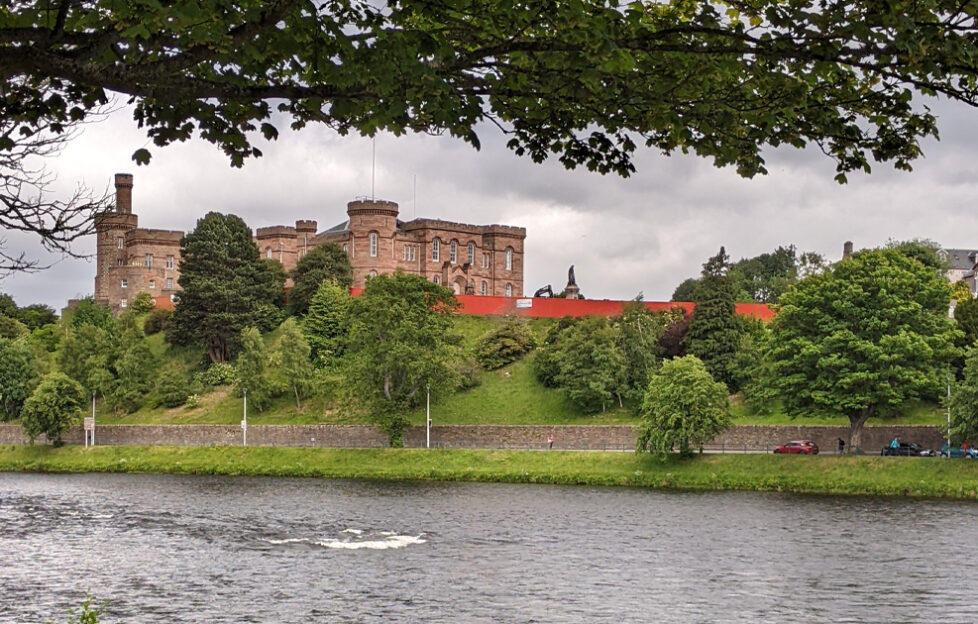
(291,540)
(103,516)
(354,531)
(390,542)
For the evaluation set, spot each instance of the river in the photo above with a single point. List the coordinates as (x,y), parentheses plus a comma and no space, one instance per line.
(240,549)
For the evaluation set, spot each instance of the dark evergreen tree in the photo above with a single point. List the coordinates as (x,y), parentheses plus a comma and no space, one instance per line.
(18,376)
(686,291)
(324,263)
(714,331)
(226,286)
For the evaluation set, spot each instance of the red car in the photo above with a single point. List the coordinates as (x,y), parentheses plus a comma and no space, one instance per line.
(798,446)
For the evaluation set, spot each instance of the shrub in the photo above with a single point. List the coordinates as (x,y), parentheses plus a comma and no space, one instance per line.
(468,374)
(172,389)
(143,303)
(505,344)
(218,374)
(157,321)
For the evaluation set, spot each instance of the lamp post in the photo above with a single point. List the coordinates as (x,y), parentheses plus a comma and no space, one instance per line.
(949,411)
(427,411)
(244,419)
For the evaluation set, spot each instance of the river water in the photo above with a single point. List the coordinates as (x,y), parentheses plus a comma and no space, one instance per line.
(236,549)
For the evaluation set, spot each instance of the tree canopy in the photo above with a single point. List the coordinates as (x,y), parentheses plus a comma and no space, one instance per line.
(226,287)
(400,341)
(586,81)
(714,329)
(324,263)
(869,333)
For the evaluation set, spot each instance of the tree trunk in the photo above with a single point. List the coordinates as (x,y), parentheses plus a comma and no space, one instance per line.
(296,389)
(856,422)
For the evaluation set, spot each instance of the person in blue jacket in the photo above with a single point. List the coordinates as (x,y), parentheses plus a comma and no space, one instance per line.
(895,443)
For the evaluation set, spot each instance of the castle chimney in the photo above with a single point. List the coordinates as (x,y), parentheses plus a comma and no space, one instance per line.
(123,193)
(846,249)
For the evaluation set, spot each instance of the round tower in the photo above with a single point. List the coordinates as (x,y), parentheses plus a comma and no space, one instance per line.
(373,224)
(110,234)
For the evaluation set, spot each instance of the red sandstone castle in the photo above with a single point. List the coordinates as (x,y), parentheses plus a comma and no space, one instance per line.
(469,259)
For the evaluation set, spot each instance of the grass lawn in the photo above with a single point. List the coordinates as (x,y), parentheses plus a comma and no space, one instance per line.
(848,475)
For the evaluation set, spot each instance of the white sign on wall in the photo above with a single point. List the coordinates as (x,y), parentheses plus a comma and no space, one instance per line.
(524,303)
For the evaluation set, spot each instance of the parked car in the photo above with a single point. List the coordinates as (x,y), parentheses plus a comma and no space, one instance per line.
(908,449)
(956,451)
(806,447)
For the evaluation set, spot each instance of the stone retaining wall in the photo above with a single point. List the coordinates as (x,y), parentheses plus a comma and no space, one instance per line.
(572,437)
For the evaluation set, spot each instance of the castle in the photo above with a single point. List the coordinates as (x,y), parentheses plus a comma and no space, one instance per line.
(468,259)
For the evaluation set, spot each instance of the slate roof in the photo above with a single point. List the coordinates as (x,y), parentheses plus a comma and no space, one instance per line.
(960,259)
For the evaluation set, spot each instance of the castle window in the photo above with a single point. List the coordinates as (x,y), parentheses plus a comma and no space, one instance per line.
(120,243)
(373,244)
(435,250)
(125,283)
(471,253)
(453,252)
(169,283)
(484,289)
(509,259)
(509,290)
(372,275)
(268,252)
(148,260)
(123,303)
(485,261)
(119,262)
(346,249)
(435,279)
(410,253)
(169,262)
(152,284)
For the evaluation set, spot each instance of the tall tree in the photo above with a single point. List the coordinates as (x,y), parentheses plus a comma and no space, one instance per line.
(251,369)
(325,324)
(226,287)
(683,408)
(18,376)
(966,315)
(324,263)
(584,80)
(591,367)
(714,330)
(85,355)
(293,356)
(638,333)
(869,333)
(400,341)
(964,399)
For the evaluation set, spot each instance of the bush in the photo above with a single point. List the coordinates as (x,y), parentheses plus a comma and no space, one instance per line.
(157,321)
(505,344)
(172,390)
(217,374)
(468,374)
(143,303)
(52,408)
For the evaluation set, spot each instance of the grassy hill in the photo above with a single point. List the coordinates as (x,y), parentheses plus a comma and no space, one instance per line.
(511,395)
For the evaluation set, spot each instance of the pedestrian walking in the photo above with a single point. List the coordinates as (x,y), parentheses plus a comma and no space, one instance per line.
(842,446)
(550,441)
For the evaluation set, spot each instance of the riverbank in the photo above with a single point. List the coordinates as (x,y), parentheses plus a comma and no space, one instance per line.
(845,475)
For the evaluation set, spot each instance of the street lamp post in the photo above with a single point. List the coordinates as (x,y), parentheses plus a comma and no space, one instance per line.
(427,410)
(244,419)
(949,412)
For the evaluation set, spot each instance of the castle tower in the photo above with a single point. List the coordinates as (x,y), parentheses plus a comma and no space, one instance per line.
(110,232)
(373,224)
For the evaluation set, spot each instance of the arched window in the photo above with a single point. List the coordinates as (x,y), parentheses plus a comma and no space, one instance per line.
(453,252)
(435,250)
(268,252)
(435,278)
(470,253)
(509,259)
(372,275)
(373,244)
(509,290)
(484,289)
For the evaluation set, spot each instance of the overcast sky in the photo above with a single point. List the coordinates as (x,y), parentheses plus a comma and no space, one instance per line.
(643,234)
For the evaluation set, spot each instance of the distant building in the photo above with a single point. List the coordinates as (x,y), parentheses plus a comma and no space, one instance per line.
(961,266)
(468,259)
